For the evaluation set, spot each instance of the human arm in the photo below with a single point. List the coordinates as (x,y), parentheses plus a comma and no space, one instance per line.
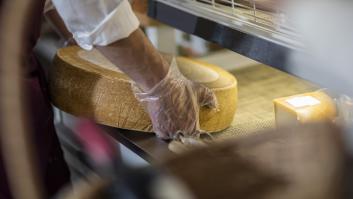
(111,27)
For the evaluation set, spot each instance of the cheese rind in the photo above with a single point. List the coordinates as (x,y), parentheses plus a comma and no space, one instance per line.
(84,83)
(304,108)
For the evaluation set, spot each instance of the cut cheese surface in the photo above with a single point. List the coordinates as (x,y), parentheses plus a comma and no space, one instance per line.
(308,107)
(85,83)
(303,101)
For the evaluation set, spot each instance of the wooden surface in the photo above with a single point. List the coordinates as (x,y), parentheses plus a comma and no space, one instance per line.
(258,86)
(86,84)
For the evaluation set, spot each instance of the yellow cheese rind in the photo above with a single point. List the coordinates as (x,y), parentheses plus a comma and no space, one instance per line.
(285,112)
(84,89)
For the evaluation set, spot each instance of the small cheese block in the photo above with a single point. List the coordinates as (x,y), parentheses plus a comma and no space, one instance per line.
(304,108)
(85,83)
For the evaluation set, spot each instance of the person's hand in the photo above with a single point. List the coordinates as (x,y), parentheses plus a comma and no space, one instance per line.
(173,104)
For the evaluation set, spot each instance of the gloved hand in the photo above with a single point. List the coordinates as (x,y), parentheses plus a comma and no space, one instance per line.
(173,104)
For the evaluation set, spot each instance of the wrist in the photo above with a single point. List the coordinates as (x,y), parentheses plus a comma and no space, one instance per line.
(154,72)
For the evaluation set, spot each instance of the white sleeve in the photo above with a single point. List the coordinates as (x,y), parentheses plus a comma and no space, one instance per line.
(48,6)
(97,22)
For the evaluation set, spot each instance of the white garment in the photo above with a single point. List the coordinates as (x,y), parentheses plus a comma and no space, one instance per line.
(97,22)
(48,6)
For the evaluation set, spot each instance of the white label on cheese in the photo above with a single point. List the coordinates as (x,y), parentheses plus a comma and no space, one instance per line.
(299,102)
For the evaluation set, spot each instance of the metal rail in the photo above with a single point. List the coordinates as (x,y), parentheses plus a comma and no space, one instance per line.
(261,35)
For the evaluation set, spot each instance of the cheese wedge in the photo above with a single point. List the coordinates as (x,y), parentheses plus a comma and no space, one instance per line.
(304,108)
(86,84)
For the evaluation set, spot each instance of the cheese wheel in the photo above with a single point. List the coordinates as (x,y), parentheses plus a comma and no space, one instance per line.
(86,84)
(304,108)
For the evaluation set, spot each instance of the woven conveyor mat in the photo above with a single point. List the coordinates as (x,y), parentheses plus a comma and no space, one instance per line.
(258,85)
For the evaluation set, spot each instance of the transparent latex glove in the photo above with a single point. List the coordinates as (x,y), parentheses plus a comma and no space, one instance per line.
(174,103)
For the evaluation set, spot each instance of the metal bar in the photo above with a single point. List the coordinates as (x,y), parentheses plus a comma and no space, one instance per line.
(238,36)
(145,145)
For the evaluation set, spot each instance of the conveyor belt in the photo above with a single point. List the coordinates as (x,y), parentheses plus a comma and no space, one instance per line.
(258,86)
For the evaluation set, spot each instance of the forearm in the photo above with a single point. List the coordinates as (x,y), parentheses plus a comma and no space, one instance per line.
(111,27)
(136,57)
(133,55)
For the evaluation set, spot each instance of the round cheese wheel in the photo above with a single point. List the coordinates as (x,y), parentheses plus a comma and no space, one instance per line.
(86,84)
